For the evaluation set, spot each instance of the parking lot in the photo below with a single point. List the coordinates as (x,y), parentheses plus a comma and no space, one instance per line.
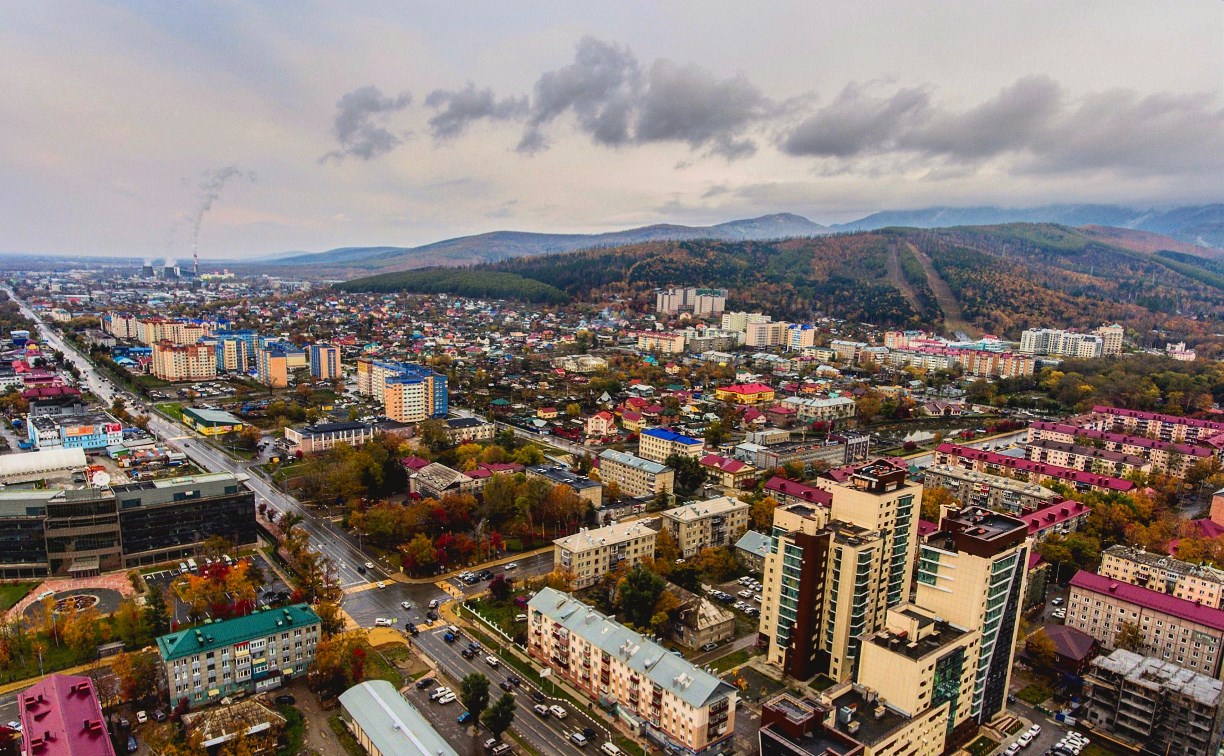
(739,595)
(273,590)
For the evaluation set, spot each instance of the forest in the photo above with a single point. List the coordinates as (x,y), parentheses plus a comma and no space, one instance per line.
(485,284)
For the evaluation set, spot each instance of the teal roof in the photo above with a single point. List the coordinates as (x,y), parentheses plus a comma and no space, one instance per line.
(212,417)
(393,725)
(228,632)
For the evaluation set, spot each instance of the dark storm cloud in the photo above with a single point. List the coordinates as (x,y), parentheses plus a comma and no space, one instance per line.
(461,107)
(358,126)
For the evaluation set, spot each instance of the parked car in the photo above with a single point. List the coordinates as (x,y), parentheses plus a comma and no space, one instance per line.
(132,745)
(158,715)
(1057,601)
(286,700)
(511,566)
(405,605)
(501,749)
(142,717)
(541,711)
(464,718)
(610,749)
(448,698)
(425,682)
(491,743)
(369,565)
(709,647)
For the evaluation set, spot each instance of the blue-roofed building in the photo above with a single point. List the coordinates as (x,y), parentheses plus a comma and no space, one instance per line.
(660,443)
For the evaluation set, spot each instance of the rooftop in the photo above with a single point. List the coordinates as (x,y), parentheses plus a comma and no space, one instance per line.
(1149,599)
(670,435)
(708,508)
(993,481)
(228,632)
(755,542)
(1038,468)
(875,720)
(393,725)
(1164,562)
(607,535)
(558,474)
(61,715)
(632,460)
(1162,676)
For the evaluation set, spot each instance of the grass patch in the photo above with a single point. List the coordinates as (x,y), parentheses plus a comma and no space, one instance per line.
(54,658)
(347,741)
(172,409)
(628,746)
(1034,694)
(1095,749)
(499,613)
(294,735)
(378,668)
(822,682)
(982,746)
(11,593)
(734,659)
(395,652)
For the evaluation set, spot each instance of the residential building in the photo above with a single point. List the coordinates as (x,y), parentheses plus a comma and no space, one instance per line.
(660,341)
(1086,458)
(833,450)
(701,621)
(991,491)
(800,336)
(673,703)
(827,409)
(211,422)
(969,458)
(150,330)
(700,302)
(258,726)
(751,549)
(583,364)
(60,715)
(469,430)
(971,573)
(384,723)
(637,477)
(1199,583)
(1111,339)
(745,393)
(767,334)
(409,392)
(1169,457)
(1153,425)
(586,488)
(234,354)
(739,321)
(706,524)
(1173,629)
(792,492)
(1054,342)
(323,436)
(729,473)
(250,654)
(1062,517)
(602,423)
(324,362)
(590,553)
(184,362)
(860,714)
(91,431)
(660,443)
(1154,706)
(272,366)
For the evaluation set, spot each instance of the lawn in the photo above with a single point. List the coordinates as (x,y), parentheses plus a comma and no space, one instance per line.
(11,593)
(499,613)
(294,734)
(173,409)
(347,741)
(733,659)
(378,668)
(1034,694)
(982,746)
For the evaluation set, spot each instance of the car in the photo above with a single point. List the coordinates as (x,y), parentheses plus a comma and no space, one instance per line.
(142,717)
(464,718)
(541,711)
(411,629)
(361,569)
(501,749)
(537,696)
(382,622)
(431,616)
(435,604)
(473,645)
(578,739)
(1057,601)
(468,653)
(381,584)
(515,680)
(14,725)
(744,580)
(132,745)
(405,605)
(158,715)
(448,698)
(123,723)
(610,749)
(1024,740)
(449,637)
(369,565)
(1012,749)
(558,712)
(746,593)
(589,733)
(438,693)
(709,647)
(286,700)
(425,682)
(757,598)
(505,685)
(511,566)
(492,661)
(1035,730)
(491,743)
(1078,737)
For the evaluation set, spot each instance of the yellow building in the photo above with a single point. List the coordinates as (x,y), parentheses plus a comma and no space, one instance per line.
(273,368)
(184,362)
(745,393)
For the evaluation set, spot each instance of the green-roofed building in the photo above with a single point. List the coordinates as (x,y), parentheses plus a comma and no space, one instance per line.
(248,654)
(211,422)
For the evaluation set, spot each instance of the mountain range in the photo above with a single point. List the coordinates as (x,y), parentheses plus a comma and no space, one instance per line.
(1195,227)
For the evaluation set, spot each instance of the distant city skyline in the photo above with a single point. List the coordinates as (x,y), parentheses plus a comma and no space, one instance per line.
(141,128)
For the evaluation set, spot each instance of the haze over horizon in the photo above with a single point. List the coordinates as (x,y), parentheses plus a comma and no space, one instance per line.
(133,127)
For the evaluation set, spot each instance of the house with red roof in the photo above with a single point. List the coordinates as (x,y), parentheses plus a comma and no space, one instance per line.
(61,716)
(602,423)
(729,473)
(745,393)
(632,421)
(794,492)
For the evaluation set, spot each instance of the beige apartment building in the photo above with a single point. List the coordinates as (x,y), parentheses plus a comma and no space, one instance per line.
(1173,629)
(1169,457)
(590,553)
(1190,430)
(152,330)
(715,522)
(1158,572)
(233,354)
(668,699)
(1085,458)
(659,341)
(635,476)
(184,362)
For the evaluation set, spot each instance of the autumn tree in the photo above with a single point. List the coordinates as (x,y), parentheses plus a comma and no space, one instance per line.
(934,498)
(339,663)
(718,563)
(667,551)
(763,513)
(500,587)
(1130,637)
(1040,648)
(137,672)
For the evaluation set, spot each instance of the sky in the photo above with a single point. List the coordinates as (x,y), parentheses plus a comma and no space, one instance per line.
(149,128)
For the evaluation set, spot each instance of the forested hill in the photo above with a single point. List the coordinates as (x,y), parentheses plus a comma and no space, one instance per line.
(993,279)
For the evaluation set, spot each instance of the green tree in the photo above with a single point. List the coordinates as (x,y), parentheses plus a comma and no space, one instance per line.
(474,693)
(690,475)
(638,593)
(714,434)
(157,614)
(500,715)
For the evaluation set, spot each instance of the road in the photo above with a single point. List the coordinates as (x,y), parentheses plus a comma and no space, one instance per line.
(1007,439)
(549,735)
(553,441)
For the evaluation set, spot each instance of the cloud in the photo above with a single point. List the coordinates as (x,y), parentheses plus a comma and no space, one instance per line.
(858,122)
(688,104)
(461,107)
(357,126)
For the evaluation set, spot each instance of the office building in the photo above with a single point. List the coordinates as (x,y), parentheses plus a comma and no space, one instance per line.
(667,699)
(971,573)
(324,362)
(1173,629)
(1199,583)
(706,524)
(636,477)
(323,436)
(272,366)
(1154,706)
(60,715)
(250,654)
(660,443)
(83,532)
(590,553)
(384,723)
(90,431)
(184,362)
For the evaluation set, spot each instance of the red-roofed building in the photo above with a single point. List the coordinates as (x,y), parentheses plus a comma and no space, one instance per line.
(969,458)
(1175,630)
(792,492)
(1166,456)
(926,528)
(730,473)
(745,393)
(1151,424)
(413,464)
(632,421)
(1063,517)
(60,716)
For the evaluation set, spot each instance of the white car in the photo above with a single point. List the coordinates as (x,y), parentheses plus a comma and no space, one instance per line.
(1012,749)
(492,661)
(558,712)
(405,605)
(142,717)
(511,566)
(449,697)
(369,565)
(381,584)
(381,622)
(1024,740)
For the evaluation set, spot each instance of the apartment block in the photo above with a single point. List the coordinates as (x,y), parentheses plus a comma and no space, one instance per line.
(1154,706)
(1054,342)
(971,573)
(767,334)
(324,362)
(272,367)
(659,341)
(468,430)
(1154,425)
(184,362)
(827,409)
(1169,457)
(706,524)
(700,302)
(1199,583)
(60,715)
(151,330)
(557,475)
(1173,629)
(250,654)
(990,491)
(969,458)
(739,321)
(660,443)
(675,704)
(1085,458)
(590,553)
(1111,339)
(234,354)
(637,477)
